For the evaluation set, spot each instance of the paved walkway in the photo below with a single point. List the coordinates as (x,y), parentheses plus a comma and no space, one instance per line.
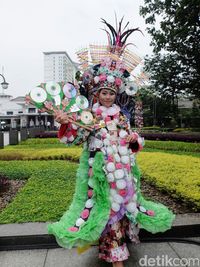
(34,235)
(144,254)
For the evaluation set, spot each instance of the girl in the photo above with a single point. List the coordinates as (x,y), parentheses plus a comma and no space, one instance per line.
(110,206)
(107,206)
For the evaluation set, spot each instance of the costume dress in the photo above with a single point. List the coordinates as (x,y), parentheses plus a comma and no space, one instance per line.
(107,204)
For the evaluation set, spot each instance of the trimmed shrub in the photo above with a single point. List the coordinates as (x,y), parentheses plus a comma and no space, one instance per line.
(186,130)
(173,145)
(42,154)
(175,174)
(39,141)
(171,137)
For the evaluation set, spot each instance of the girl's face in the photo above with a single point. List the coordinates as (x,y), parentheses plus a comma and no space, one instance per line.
(107,97)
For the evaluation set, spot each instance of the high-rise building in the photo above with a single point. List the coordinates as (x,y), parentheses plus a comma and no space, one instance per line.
(58,67)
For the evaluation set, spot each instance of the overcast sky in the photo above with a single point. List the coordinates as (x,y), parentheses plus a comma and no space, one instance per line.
(31,27)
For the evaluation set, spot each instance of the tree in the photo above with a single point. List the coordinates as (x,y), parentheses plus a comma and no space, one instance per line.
(174,67)
(156,110)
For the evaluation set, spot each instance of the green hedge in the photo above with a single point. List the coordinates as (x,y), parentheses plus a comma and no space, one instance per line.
(173,145)
(40,149)
(41,154)
(179,130)
(40,141)
(47,193)
(178,175)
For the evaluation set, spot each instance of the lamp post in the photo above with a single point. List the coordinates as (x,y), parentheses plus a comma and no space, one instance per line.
(4,84)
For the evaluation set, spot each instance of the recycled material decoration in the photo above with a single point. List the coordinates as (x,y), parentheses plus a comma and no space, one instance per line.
(52,96)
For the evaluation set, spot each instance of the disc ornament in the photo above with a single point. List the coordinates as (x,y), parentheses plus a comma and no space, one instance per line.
(38,95)
(86,117)
(53,88)
(82,102)
(69,90)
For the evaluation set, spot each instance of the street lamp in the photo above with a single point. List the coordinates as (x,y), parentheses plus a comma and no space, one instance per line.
(4,84)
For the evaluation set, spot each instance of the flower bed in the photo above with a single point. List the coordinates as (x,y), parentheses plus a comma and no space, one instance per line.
(176,174)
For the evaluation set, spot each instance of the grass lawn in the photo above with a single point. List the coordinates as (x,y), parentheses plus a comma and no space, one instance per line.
(50,183)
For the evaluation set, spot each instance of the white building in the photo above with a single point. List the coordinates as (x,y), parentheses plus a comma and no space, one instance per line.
(59,67)
(16,113)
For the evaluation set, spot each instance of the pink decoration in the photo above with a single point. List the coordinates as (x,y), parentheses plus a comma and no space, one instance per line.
(90,193)
(110,158)
(113,185)
(73,229)
(90,173)
(122,192)
(135,136)
(118,81)
(85,213)
(118,165)
(102,77)
(150,212)
(127,166)
(107,119)
(123,142)
(98,111)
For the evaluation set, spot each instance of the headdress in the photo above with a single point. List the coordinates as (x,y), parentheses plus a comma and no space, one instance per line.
(111,64)
(110,68)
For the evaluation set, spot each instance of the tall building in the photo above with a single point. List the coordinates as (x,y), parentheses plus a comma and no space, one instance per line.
(58,67)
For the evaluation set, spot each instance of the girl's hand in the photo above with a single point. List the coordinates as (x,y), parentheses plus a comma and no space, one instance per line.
(131,138)
(61,117)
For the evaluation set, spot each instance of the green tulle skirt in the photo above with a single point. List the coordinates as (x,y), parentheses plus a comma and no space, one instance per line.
(93,227)
(91,230)
(163,217)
